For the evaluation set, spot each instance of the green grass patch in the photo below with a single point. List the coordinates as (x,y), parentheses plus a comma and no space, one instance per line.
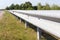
(12,29)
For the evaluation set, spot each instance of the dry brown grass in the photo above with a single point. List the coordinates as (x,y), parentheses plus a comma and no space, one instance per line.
(12,29)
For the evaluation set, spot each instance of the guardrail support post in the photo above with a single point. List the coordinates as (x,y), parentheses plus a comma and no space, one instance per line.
(13,11)
(38,34)
(20,20)
(25,24)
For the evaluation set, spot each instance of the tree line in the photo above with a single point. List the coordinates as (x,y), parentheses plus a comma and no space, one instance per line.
(28,6)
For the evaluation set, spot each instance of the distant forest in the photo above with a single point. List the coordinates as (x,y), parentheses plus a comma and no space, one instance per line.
(28,6)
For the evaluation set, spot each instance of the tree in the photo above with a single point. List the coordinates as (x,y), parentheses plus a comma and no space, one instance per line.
(22,7)
(47,7)
(28,6)
(34,7)
(55,7)
(12,6)
(7,8)
(43,8)
(39,7)
(16,7)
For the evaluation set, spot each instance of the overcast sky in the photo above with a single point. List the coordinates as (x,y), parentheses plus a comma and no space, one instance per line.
(4,3)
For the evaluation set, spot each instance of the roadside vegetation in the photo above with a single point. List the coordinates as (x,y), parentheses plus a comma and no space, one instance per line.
(29,6)
(12,29)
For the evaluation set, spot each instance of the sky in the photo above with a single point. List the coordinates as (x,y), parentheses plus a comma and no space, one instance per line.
(5,3)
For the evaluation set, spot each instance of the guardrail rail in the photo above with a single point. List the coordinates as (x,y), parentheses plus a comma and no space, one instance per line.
(49,21)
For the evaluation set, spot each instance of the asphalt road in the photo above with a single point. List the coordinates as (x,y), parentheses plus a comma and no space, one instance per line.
(43,17)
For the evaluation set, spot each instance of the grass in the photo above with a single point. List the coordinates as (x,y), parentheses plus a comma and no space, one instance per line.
(12,29)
